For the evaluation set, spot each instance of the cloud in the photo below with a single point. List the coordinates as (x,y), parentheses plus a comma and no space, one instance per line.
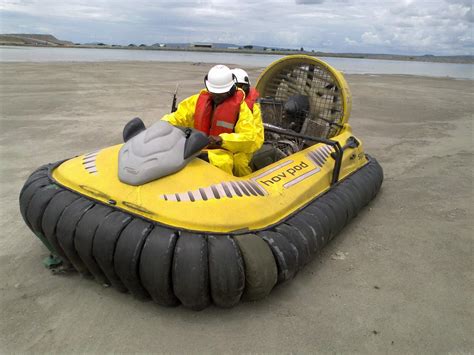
(420,27)
(350,42)
(469,16)
(309,2)
(467,3)
(373,38)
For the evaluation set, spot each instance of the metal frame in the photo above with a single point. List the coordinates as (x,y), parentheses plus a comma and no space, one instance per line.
(338,150)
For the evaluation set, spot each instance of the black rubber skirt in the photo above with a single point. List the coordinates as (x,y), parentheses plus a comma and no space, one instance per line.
(175,267)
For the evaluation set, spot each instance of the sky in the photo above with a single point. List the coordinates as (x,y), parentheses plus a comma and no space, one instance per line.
(413,27)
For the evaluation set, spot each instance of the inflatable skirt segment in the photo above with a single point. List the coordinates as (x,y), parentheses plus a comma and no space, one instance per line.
(174,267)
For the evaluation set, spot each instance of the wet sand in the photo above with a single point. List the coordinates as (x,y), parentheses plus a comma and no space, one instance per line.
(399,278)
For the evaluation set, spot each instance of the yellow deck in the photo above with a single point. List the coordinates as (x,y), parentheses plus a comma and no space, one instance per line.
(286,186)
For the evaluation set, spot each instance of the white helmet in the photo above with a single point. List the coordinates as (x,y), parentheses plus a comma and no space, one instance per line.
(241,75)
(219,79)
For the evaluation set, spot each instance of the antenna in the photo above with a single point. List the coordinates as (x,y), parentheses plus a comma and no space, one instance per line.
(173,104)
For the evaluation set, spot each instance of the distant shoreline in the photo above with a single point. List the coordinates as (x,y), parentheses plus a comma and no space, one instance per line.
(408,58)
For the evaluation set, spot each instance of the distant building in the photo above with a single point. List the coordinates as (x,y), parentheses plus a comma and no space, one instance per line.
(201,45)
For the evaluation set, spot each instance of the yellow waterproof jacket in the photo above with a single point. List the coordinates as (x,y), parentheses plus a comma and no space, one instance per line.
(248,131)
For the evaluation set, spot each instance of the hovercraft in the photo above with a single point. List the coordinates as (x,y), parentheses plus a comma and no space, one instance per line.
(181,231)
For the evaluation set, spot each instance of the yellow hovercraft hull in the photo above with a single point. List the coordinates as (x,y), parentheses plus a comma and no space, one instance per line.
(204,198)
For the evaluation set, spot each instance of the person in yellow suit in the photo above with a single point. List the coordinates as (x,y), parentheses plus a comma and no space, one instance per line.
(220,111)
(251,97)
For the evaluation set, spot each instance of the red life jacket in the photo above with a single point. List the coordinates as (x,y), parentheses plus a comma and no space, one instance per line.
(222,118)
(251,98)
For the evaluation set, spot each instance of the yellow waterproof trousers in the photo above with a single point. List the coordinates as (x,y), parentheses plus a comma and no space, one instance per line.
(237,164)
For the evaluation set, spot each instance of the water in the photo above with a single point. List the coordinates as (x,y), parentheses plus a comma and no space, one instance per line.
(347,65)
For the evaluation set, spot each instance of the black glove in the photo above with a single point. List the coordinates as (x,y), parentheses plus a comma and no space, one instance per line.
(215,142)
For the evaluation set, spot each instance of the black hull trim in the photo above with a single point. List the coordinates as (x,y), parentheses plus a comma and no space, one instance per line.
(175,267)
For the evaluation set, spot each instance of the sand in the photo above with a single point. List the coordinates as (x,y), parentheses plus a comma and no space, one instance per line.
(399,278)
